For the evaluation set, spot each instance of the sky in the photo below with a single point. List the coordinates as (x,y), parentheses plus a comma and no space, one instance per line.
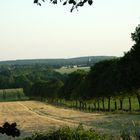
(28,31)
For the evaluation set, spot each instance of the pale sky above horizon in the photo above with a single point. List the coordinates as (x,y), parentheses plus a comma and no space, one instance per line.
(28,31)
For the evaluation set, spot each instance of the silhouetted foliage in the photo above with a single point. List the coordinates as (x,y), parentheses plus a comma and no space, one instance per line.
(75,3)
(10,129)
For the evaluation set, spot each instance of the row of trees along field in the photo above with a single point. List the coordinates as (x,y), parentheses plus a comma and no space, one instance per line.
(108,82)
(110,79)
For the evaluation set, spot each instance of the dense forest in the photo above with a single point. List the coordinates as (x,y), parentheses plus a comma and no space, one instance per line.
(114,78)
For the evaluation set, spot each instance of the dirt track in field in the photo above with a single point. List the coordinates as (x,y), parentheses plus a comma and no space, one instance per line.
(34,116)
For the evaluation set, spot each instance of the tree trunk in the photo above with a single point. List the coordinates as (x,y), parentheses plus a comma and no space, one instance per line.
(89,108)
(129,98)
(85,106)
(121,104)
(115,103)
(80,105)
(103,103)
(76,104)
(138,97)
(108,103)
(98,105)
(95,106)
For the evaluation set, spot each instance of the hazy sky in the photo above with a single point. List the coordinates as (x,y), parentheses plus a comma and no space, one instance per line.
(51,31)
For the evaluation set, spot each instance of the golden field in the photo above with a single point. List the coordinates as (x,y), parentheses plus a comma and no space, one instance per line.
(33,116)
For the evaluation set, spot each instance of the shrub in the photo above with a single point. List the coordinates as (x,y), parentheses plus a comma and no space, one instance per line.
(67,133)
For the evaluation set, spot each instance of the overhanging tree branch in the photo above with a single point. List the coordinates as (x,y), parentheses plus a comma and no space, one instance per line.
(75,3)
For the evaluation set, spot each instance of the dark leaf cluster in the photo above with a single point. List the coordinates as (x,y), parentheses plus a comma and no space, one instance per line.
(75,3)
(10,129)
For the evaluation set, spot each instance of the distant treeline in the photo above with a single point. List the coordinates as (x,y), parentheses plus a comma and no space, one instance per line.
(12,94)
(21,76)
(57,63)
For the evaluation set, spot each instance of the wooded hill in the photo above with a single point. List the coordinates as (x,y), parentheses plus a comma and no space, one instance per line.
(80,61)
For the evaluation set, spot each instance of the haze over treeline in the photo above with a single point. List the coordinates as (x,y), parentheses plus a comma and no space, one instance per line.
(81,61)
(30,31)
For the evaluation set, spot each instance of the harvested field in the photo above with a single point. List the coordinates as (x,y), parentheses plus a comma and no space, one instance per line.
(32,116)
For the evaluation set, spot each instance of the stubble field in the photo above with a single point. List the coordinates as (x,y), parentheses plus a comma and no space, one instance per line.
(33,116)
